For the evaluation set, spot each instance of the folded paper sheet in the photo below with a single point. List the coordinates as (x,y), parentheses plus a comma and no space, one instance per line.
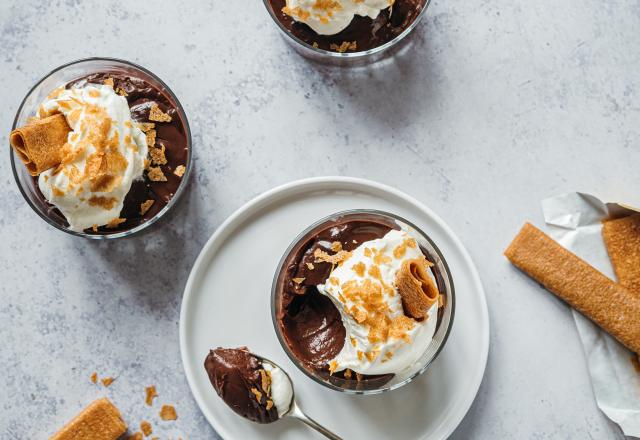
(575,221)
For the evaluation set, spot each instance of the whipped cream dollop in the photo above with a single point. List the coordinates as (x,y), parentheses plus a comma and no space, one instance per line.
(328,17)
(380,338)
(281,391)
(105,152)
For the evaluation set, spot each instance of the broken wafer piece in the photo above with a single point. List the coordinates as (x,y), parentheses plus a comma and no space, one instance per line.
(101,420)
(622,238)
(39,144)
(608,304)
(417,289)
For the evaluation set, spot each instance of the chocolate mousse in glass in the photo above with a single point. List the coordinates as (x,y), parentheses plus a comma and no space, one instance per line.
(346,31)
(362,301)
(101,148)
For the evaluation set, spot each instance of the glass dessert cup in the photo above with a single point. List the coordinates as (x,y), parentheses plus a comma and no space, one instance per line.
(59,77)
(373,384)
(358,58)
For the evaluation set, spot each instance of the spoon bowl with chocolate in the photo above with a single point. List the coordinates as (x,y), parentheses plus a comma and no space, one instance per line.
(346,32)
(255,387)
(101,148)
(363,301)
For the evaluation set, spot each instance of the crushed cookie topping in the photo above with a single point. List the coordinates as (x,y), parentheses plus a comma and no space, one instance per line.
(146,126)
(265,381)
(370,308)
(145,206)
(108,82)
(155,174)
(344,46)
(106,203)
(336,246)
(359,268)
(157,155)
(180,170)
(157,115)
(298,280)
(151,137)
(333,366)
(114,222)
(323,257)
(256,393)
(310,266)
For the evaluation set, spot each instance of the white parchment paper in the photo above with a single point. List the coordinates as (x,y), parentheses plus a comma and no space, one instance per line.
(574,220)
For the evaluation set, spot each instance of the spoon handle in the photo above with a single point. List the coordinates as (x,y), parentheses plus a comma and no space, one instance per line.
(297,413)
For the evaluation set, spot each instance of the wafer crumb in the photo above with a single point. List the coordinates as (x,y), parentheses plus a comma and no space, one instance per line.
(155,114)
(146,429)
(156,175)
(151,393)
(94,377)
(180,170)
(145,206)
(106,381)
(168,412)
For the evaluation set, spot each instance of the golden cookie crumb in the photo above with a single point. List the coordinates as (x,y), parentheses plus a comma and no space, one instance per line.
(94,377)
(108,82)
(146,126)
(114,222)
(146,429)
(106,381)
(180,170)
(168,412)
(155,114)
(155,174)
(157,154)
(150,394)
(145,206)
(257,393)
(151,138)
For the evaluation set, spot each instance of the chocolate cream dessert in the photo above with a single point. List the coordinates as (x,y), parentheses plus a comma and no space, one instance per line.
(357,300)
(254,389)
(346,25)
(107,151)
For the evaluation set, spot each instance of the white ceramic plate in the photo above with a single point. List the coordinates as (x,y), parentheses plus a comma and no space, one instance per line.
(226,303)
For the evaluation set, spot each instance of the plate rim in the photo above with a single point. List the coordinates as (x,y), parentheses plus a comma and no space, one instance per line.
(283,189)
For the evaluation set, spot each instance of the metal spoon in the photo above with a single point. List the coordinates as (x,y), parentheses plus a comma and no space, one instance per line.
(294,410)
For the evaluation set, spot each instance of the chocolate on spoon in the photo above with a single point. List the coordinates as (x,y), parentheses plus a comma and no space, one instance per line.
(255,387)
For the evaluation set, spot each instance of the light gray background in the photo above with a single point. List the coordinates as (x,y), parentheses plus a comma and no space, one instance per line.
(497,105)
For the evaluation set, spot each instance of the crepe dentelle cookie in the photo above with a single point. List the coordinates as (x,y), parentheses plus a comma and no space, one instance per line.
(101,420)
(613,307)
(622,238)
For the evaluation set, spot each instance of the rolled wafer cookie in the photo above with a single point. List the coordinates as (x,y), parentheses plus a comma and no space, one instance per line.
(622,238)
(39,144)
(614,308)
(100,420)
(416,288)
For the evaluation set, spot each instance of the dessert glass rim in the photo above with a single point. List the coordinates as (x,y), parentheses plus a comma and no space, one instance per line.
(167,207)
(348,55)
(451,297)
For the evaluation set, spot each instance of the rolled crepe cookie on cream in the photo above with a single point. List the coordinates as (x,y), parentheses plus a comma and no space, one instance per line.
(416,287)
(39,144)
